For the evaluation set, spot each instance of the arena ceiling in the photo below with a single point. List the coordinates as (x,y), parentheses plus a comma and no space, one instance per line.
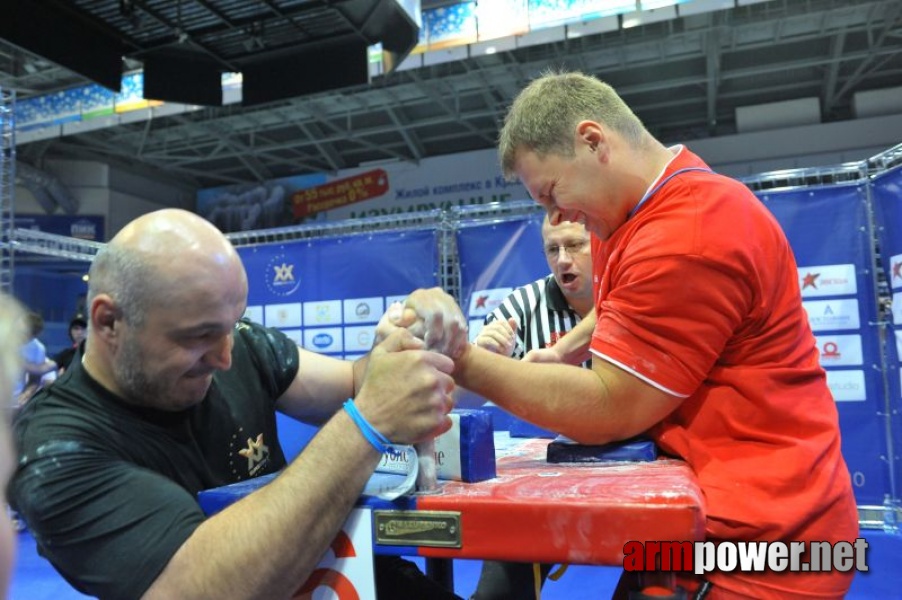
(684,77)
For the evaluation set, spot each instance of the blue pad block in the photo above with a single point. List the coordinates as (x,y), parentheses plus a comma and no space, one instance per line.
(563,449)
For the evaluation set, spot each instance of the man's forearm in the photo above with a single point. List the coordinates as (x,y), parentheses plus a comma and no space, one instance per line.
(573,348)
(267,544)
(546,394)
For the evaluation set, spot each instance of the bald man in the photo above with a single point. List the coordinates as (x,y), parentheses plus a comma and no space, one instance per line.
(176,393)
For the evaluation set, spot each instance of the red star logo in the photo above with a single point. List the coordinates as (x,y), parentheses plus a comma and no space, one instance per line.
(810,280)
(480,301)
(897,270)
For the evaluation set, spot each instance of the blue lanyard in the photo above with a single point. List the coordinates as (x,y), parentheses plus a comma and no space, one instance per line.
(661,183)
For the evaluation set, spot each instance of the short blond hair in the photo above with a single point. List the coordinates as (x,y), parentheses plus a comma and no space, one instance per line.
(544,116)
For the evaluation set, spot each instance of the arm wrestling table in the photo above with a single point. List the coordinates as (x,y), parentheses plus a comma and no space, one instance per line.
(533,511)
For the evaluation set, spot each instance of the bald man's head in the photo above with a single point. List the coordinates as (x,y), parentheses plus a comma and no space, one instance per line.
(152,258)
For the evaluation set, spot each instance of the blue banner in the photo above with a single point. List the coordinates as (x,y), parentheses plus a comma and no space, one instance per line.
(83,227)
(828,230)
(328,293)
(887,193)
(495,258)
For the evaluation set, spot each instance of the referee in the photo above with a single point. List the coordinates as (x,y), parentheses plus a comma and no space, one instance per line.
(535,316)
(538,314)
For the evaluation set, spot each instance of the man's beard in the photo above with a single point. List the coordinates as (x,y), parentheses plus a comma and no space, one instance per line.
(131,377)
(139,387)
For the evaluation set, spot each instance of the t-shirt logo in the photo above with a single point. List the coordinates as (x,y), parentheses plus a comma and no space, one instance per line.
(256,453)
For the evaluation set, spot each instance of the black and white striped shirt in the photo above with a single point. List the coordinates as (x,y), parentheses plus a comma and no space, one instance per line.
(542,312)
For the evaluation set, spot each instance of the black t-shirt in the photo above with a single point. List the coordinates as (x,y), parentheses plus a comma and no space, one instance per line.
(108,489)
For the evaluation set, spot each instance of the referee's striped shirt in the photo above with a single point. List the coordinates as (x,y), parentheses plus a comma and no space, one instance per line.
(542,313)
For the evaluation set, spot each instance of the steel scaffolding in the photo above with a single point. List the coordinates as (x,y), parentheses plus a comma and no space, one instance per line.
(7,186)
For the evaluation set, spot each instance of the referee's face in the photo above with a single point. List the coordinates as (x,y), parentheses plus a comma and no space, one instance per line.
(569,256)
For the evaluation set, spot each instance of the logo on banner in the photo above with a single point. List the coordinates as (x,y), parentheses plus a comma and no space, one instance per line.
(280,276)
(847,386)
(828,280)
(840,350)
(824,315)
(322,340)
(482,302)
(84,229)
(362,310)
(338,193)
(897,271)
(323,312)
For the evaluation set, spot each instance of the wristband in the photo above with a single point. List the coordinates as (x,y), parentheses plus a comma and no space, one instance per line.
(376,439)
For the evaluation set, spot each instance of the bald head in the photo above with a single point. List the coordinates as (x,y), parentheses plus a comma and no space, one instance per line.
(158,255)
(171,232)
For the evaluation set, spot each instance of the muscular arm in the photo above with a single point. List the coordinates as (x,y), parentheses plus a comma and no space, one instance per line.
(322,384)
(571,349)
(594,406)
(267,544)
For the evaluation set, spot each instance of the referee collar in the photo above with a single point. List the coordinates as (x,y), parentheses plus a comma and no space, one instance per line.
(554,296)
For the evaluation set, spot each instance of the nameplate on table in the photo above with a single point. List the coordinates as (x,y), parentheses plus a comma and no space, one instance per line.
(435,528)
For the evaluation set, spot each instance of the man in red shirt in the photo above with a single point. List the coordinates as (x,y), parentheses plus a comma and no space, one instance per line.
(700,338)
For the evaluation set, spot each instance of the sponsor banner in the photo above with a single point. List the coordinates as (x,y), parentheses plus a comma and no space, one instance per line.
(244,207)
(897,309)
(847,386)
(295,335)
(338,193)
(363,310)
(328,294)
(283,315)
(898,342)
(359,339)
(75,226)
(323,339)
(840,350)
(895,272)
(323,312)
(828,280)
(482,302)
(826,315)
(497,257)
(439,182)
(255,313)
(280,276)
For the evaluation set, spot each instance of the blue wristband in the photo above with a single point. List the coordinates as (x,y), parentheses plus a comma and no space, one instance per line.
(376,439)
